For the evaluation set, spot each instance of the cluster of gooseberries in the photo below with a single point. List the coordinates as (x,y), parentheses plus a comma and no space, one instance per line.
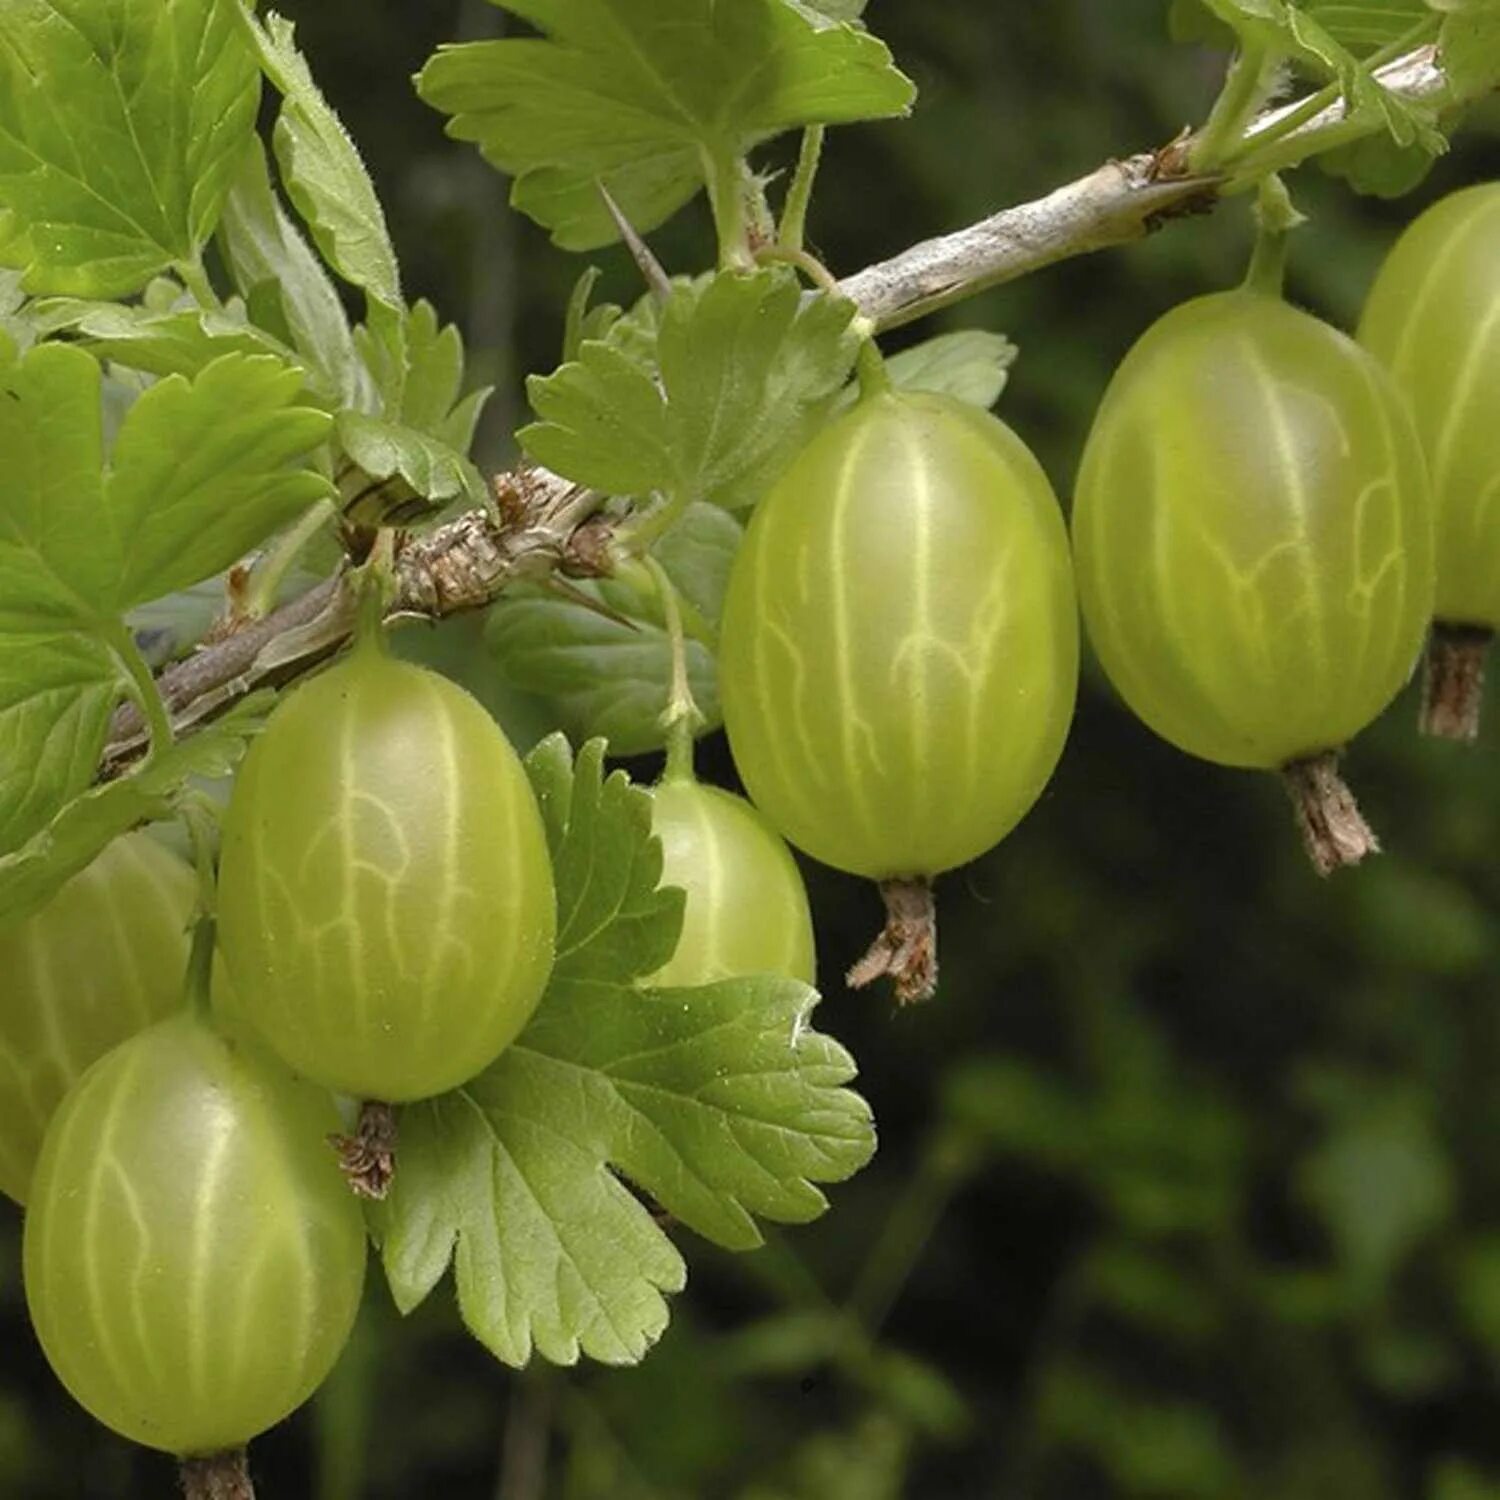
(1269,516)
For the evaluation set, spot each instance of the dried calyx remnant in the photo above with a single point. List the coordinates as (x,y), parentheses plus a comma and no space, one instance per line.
(368,1157)
(1333,828)
(221,1476)
(1453,681)
(906,951)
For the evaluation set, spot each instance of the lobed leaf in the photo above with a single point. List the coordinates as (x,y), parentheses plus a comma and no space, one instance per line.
(1300,35)
(129,177)
(56,695)
(181,341)
(59,555)
(407,468)
(721,1102)
(637,96)
(202,472)
(609,677)
(970,365)
(744,369)
(322,169)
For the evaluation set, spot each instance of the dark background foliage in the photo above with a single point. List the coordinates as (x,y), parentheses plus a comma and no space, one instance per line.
(1187,1184)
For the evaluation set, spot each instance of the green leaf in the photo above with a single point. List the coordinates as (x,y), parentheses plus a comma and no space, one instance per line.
(325,177)
(1377,167)
(30,875)
(59,562)
(603,424)
(720,1102)
(748,369)
(1367,25)
(266,254)
(402,473)
(56,695)
(1298,35)
(638,96)
(1469,48)
(182,341)
(750,365)
(971,365)
(16,321)
(610,678)
(430,400)
(204,471)
(199,473)
(120,125)
(833,10)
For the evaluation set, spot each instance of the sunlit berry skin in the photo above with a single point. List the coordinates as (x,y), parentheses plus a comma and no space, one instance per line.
(899,647)
(1253,533)
(1433,320)
(193,1257)
(102,960)
(386,899)
(746,909)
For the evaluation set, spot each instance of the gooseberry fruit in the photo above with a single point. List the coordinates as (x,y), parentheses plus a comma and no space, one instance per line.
(900,643)
(1433,320)
(1253,538)
(193,1261)
(746,909)
(386,901)
(103,959)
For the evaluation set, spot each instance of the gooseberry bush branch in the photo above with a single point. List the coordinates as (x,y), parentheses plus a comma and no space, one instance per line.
(468,563)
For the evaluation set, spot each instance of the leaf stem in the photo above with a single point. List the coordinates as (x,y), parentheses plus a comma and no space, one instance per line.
(1242,95)
(195,279)
(810,266)
(143,689)
(1255,154)
(793,232)
(682,718)
(724,173)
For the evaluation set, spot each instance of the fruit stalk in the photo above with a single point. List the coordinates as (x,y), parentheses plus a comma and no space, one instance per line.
(222,1476)
(1453,681)
(906,951)
(367,1158)
(1333,828)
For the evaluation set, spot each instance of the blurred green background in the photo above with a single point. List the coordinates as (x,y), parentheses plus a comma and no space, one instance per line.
(1187,1183)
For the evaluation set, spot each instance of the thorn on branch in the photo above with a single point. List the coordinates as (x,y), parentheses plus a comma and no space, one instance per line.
(906,951)
(368,1157)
